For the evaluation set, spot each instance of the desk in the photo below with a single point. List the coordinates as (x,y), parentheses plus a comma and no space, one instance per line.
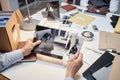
(41,70)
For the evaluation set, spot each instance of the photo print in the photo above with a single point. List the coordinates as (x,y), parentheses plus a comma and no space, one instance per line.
(44,34)
(49,46)
(74,44)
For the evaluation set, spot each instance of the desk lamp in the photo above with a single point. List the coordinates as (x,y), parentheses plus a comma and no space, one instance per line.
(29,24)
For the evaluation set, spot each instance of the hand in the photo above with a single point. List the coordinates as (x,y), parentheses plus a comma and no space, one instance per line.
(30,44)
(74,64)
(91,8)
(103,10)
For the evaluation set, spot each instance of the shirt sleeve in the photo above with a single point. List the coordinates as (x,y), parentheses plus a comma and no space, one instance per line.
(7,59)
(84,3)
(114,5)
(70,78)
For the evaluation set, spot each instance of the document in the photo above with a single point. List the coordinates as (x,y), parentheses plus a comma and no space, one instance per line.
(81,19)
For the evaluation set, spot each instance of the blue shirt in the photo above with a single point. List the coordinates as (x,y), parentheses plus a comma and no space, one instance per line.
(7,59)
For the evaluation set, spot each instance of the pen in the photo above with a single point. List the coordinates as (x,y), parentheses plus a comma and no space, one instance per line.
(94,50)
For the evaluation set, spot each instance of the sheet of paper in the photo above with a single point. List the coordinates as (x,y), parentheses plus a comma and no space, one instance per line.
(82,19)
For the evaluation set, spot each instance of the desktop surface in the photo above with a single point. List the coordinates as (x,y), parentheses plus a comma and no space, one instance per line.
(41,70)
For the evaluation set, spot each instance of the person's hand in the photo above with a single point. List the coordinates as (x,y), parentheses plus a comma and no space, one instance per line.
(30,44)
(91,8)
(74,64)
(103,10)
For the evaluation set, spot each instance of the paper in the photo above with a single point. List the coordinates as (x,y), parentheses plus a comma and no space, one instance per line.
(82,19)
(51,24)
(74,44)
(117,28)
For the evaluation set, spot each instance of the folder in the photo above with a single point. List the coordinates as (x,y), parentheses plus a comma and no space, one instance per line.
(81,19)
(104,61)
(109,40)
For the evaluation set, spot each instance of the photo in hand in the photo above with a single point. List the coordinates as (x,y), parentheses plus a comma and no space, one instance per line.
(45,35)
(49,45)
(74,44)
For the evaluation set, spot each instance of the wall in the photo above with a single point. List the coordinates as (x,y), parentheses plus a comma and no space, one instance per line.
(5,5)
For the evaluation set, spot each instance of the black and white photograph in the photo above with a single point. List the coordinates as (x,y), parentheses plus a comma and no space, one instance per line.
(46,37)
(74,44)
(53,41)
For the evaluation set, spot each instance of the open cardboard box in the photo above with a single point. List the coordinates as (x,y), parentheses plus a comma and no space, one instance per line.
(9,30)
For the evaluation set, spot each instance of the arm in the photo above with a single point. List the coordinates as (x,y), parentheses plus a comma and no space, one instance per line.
(7,59)
(84,3)
(73,65)
(114,5)
(10,58)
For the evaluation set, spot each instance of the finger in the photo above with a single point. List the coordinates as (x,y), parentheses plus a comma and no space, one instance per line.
(75,56)
(37,43)
(31,39)
(80,58)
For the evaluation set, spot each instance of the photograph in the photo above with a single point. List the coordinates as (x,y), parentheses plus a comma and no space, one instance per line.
(47,41)
(53,41)
(74,44)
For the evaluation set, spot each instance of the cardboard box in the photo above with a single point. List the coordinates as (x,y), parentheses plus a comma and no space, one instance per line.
(9,31)
(115,69)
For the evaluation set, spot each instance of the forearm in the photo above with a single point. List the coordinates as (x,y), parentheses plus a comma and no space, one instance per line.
(114,5)
(10,58)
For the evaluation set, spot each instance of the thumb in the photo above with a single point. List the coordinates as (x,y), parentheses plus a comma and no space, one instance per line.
(37,43)
(75,56)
